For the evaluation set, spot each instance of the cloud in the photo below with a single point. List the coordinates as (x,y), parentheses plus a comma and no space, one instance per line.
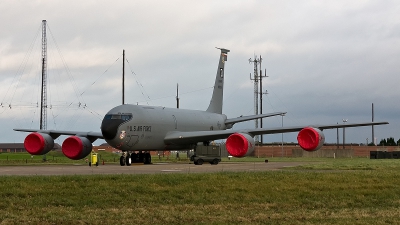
(325,60)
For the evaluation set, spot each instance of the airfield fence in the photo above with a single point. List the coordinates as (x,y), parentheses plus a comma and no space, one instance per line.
(327,151)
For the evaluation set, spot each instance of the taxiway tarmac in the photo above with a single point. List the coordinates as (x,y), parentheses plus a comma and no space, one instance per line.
(81,169)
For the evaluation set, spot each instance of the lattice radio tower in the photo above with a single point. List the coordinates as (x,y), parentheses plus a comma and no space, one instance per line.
(43,100)
(257,79)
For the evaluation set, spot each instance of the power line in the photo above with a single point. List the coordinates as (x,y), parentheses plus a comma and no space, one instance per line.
(142,90)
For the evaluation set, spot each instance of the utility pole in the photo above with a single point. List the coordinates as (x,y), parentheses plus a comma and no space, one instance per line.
(344,136)
(261,99)
(123,76)
(43,100)
(337,137)
(282,134)
(373,135)
(177,96)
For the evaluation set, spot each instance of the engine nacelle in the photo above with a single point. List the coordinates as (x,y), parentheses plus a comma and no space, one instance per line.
(311,139)
(38,143)
(76,147)
(240,144)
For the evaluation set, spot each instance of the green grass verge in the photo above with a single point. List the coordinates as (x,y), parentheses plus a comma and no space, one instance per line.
(303,195)
(352,164)
(56,157)
(53,157)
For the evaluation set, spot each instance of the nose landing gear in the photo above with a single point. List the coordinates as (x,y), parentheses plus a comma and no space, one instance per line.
(125,159)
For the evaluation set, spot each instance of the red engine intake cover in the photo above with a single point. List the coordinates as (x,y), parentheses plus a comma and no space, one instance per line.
(239,144)
(310,139)
(38,143)
(75,147)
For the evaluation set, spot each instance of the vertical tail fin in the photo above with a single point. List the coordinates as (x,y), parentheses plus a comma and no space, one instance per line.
(217,96)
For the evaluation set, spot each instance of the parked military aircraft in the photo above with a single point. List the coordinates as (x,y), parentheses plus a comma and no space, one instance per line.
(133,128)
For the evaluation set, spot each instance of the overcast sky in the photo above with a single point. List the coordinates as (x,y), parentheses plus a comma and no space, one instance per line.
(326,61)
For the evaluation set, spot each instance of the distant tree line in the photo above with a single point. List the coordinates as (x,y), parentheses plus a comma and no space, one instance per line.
(389,142)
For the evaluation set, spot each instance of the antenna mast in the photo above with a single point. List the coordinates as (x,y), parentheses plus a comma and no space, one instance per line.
(177,96)
(255,79)
(123,76)
(43,100)
(261,98)
(373,134)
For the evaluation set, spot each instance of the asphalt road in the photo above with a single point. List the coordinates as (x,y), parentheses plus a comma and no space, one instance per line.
(142,169)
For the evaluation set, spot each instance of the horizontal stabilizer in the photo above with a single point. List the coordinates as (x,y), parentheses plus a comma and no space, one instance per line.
(252,117)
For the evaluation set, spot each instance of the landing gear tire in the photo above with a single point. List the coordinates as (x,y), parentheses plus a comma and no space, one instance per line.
(128,160)
(122,161)
(199,162)
(141,157)
(147,158)
(134,158)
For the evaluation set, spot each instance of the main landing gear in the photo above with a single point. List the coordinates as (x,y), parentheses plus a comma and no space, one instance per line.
(128,158)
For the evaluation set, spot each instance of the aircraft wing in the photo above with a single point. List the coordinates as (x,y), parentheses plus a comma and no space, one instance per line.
(179,137)
(253,117)
(56,133)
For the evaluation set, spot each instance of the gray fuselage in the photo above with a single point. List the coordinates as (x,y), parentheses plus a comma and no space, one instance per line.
(137,127)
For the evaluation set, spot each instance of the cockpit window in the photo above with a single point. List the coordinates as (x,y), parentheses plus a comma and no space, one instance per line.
(115,117)
(124,117)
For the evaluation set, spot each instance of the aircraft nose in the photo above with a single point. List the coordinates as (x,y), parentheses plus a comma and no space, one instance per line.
(109,127)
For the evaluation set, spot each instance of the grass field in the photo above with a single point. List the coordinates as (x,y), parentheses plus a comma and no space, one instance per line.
(340,191)
(53,157)
(56,157)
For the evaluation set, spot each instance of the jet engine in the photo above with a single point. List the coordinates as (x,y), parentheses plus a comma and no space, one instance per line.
(76,147)
(311,139)
(38,143)
(240,144)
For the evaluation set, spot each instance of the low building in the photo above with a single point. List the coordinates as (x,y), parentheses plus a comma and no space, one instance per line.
(19,147)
